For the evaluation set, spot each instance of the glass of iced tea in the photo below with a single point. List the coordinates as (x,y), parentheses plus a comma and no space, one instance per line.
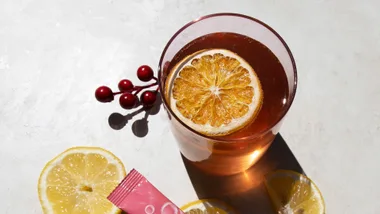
(227,81)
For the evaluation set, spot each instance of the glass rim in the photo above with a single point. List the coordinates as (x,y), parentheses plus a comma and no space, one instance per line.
(216,138)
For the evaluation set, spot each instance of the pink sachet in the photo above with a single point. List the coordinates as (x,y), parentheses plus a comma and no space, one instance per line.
(136,195)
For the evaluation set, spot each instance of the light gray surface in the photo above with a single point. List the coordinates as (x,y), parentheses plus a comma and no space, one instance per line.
(53,54)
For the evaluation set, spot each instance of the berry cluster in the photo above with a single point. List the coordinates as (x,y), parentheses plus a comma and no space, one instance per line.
(128,98)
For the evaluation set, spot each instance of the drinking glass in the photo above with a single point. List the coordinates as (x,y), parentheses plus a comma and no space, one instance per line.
(219,155)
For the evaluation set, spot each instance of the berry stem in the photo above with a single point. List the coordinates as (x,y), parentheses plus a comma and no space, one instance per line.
(116,93)
(140,88)
(150,85)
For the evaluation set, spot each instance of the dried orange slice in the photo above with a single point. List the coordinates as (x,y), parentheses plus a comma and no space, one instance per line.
(207,206)
(214,91)
(79,181)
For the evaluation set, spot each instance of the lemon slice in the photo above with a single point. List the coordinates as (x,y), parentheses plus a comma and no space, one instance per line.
(208,206)
(292,192)
(79,181)
(214,91)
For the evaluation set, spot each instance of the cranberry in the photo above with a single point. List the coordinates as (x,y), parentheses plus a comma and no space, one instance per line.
(129,92)
(145,73)
(128,100)
(125,85)
(104,94)
(148,98)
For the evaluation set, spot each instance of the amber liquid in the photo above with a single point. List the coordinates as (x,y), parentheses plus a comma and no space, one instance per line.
(237,155)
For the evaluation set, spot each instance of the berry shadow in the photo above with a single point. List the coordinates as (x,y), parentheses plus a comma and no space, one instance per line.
(140,127)
(246,191)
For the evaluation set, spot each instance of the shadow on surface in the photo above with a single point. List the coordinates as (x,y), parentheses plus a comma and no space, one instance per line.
(140,127)
(245,192)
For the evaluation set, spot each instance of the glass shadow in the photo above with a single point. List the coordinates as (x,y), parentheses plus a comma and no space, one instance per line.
(245,191)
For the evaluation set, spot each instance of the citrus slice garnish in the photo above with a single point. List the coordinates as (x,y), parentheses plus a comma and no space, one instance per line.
(214,91)
(207,206)
(292,192)
(79,181)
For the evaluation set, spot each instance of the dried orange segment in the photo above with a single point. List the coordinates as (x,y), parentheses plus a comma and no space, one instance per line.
(215,92)
(238,78)
(221,115)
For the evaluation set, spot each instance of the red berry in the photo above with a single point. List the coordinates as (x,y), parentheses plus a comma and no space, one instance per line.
(104,94)
(145,73)
(128,100)
(125,85)
(148,98)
